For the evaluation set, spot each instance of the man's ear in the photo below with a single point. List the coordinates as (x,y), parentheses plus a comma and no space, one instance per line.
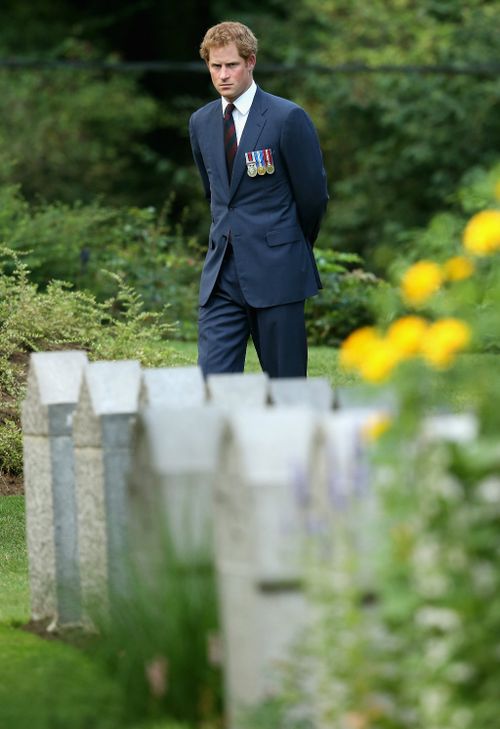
(251,61)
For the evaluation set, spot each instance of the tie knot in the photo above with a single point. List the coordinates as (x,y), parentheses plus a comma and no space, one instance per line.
(229,111)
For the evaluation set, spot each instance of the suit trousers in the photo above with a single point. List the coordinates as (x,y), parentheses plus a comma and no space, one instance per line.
(226,322)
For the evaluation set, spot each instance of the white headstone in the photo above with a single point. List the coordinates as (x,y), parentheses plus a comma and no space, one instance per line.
(172,478)
(51,522)
(313,392)
(261,522)
(103,424)
(457,427)
(176,387)
(236,390)
(343,482)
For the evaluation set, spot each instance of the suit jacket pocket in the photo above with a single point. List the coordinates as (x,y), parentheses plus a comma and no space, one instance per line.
(284,235)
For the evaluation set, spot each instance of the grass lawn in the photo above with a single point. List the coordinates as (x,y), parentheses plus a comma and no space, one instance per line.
(47,684)
(14,597)
(323,362)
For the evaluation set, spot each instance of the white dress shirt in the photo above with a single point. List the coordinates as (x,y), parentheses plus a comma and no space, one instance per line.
(241,108)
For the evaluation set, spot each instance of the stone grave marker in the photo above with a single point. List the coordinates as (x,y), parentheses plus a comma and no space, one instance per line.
(174,466)
(457,427)
(238,390)
(103,424)
(314,392)
(53,384)
(172,387)
(260,516)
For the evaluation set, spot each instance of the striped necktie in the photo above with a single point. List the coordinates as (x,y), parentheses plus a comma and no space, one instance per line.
(230,140)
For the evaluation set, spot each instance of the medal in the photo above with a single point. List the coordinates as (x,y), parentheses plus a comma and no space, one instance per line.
(269,161)
(251,166)
(260,163)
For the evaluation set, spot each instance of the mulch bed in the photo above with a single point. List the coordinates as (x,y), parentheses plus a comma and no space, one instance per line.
(11,485)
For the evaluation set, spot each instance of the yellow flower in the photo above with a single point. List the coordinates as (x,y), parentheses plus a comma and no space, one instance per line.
(379,362)
(421,281)
(482,233)
(406,334)
(354,348)
(458,268)
(444,339)
(376,426)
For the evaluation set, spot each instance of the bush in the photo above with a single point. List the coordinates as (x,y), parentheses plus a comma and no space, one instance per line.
(33,320)
(78,243)
(344,302)
(69,135)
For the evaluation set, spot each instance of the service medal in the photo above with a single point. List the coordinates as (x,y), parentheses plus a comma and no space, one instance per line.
(251,165)
(269,161)
(260,163)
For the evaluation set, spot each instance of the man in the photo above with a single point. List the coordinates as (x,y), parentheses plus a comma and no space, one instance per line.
(260,162)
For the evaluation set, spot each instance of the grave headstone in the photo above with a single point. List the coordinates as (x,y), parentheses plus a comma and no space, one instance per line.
(313,392)
(176,387)
(174,467)
(103,423)
(238,390)
(457,427)
(343,484)
(51,518)
(260,517)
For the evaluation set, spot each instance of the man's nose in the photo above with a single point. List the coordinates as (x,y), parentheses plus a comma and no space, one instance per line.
(224,72)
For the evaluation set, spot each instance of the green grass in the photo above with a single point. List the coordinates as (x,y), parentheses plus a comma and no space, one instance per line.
(14,597)
(323,362)
(48,685)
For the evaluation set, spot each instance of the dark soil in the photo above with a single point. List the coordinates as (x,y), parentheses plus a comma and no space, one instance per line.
(11,485)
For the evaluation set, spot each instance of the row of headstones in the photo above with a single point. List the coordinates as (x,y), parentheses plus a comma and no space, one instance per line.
(115,453)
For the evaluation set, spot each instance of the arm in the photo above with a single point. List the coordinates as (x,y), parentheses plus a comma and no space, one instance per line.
(302,154)
(198,158)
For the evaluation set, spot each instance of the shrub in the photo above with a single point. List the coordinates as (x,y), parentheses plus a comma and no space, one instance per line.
(33,320)
(344,302)
(78,243)
(70,135)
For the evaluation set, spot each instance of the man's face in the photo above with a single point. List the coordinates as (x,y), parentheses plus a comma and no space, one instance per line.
(231,74)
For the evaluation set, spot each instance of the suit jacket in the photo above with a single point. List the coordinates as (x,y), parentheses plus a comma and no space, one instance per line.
(273,219)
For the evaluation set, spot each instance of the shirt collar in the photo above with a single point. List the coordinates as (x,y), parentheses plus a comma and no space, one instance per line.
(243,102)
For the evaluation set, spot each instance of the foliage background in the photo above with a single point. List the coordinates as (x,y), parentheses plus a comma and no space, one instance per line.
(395,144)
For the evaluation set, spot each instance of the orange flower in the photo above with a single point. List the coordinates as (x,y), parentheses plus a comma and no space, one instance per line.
(458,268)
(421,281)
(376,426)
(357,345)
(482,233)
(406,334)
(379,362)
(444,339)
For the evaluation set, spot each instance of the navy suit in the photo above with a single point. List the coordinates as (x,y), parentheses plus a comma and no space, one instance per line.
(271,221)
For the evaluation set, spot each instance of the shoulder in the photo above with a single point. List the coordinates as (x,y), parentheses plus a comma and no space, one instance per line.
(204,112)
(280,107)
(276,102)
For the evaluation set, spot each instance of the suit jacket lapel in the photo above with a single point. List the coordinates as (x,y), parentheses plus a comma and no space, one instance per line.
(248,142)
